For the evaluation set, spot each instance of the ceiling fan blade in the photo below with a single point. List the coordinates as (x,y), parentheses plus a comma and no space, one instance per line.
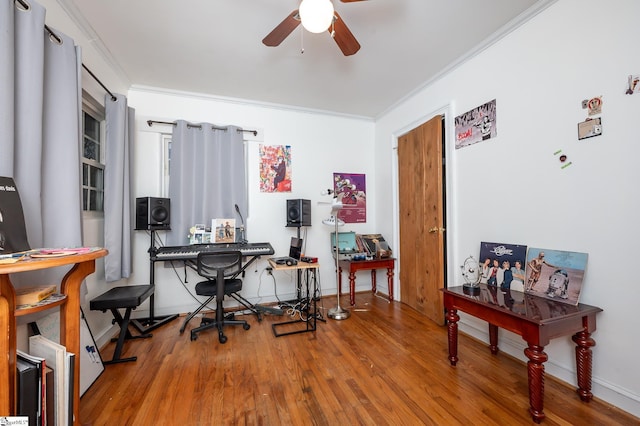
(343,37)
(284,28)
(350,1)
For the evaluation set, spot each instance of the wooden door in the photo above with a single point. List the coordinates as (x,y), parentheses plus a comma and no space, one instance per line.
(421,203)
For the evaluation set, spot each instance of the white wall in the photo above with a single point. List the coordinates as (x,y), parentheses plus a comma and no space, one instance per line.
(513,190)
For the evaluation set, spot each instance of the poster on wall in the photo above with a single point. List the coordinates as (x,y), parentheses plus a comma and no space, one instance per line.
(275,168)
(350,188)
(476,125)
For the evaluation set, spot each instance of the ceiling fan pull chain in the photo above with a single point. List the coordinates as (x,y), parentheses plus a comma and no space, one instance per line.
(301,41)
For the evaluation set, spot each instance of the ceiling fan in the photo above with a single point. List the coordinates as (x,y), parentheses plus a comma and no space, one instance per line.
(336,27)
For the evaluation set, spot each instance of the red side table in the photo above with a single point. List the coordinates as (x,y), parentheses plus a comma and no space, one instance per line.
(360,265)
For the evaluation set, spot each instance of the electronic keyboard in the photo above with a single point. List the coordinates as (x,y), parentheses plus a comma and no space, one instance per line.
(190,252)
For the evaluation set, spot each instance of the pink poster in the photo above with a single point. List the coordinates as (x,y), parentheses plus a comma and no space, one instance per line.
(275,168)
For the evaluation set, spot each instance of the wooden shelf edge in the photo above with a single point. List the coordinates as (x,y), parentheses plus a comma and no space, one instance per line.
(40,307)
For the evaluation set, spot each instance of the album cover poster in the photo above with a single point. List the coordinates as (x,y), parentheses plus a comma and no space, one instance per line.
(477,125)
(555,274)
(503,265)
(351,189)
(13,234)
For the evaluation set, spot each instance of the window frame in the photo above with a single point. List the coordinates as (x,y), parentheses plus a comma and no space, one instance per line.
(93,108)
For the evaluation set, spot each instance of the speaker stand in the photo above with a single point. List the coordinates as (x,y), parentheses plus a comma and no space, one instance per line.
(145,325)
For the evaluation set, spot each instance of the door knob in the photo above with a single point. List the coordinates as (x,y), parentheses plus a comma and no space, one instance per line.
(436,229)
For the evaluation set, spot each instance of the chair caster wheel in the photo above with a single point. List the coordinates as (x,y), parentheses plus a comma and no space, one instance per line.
(246,326)
(194,336)
(222,338)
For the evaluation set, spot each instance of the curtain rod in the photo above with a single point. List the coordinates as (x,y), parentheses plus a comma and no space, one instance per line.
(58,40)
(113,98)
(198,126)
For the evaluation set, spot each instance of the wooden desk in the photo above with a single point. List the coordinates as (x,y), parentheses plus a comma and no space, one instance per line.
(83,265)
(360,265)
(537,320)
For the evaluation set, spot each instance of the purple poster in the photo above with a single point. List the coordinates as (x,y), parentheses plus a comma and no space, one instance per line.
(350,188)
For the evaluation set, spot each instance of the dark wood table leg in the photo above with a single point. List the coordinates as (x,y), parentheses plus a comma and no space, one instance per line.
(390,281)
(352,288)
(493,338)
(535,368)
(452,320)
(584,342)
(374,285)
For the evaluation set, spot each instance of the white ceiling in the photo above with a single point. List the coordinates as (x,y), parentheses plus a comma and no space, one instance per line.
(215,47)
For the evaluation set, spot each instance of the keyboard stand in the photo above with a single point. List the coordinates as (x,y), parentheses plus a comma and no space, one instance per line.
(145,325)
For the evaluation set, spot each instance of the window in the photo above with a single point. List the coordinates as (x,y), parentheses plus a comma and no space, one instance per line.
(92,155)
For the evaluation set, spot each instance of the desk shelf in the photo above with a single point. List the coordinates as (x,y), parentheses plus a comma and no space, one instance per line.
(45,304)
(82,265)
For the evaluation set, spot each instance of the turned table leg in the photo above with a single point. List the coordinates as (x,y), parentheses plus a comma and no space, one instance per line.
(374,286)
(390,282)
(535,369)
(352,288)
(493,338)
(452,319)
(584,342)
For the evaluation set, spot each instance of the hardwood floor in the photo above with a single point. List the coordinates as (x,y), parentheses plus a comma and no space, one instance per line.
(386,365)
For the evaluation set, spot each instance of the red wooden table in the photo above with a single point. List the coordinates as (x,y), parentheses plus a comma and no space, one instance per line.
(537,320)
(358,265)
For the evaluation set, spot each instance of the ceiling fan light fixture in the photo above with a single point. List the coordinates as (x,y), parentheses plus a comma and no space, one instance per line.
(316,15)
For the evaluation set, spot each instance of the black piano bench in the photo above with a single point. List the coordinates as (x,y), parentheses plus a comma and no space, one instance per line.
(128,298)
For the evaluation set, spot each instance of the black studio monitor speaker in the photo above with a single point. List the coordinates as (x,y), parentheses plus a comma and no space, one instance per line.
(298,213)
(153,213)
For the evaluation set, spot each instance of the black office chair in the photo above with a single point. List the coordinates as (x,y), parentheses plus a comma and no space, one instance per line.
(219,267)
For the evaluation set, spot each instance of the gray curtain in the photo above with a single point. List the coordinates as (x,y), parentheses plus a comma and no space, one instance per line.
(206,177)
(117,182)
(40,109)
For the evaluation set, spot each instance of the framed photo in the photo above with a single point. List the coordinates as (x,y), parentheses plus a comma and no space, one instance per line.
(590,128)
(555,274)
(224,230)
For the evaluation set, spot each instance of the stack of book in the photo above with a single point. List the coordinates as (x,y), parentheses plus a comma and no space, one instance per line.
(45,383)
(35,389)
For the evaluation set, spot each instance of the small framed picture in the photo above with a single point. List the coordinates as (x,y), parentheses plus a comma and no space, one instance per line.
(590,128)
(224,230)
